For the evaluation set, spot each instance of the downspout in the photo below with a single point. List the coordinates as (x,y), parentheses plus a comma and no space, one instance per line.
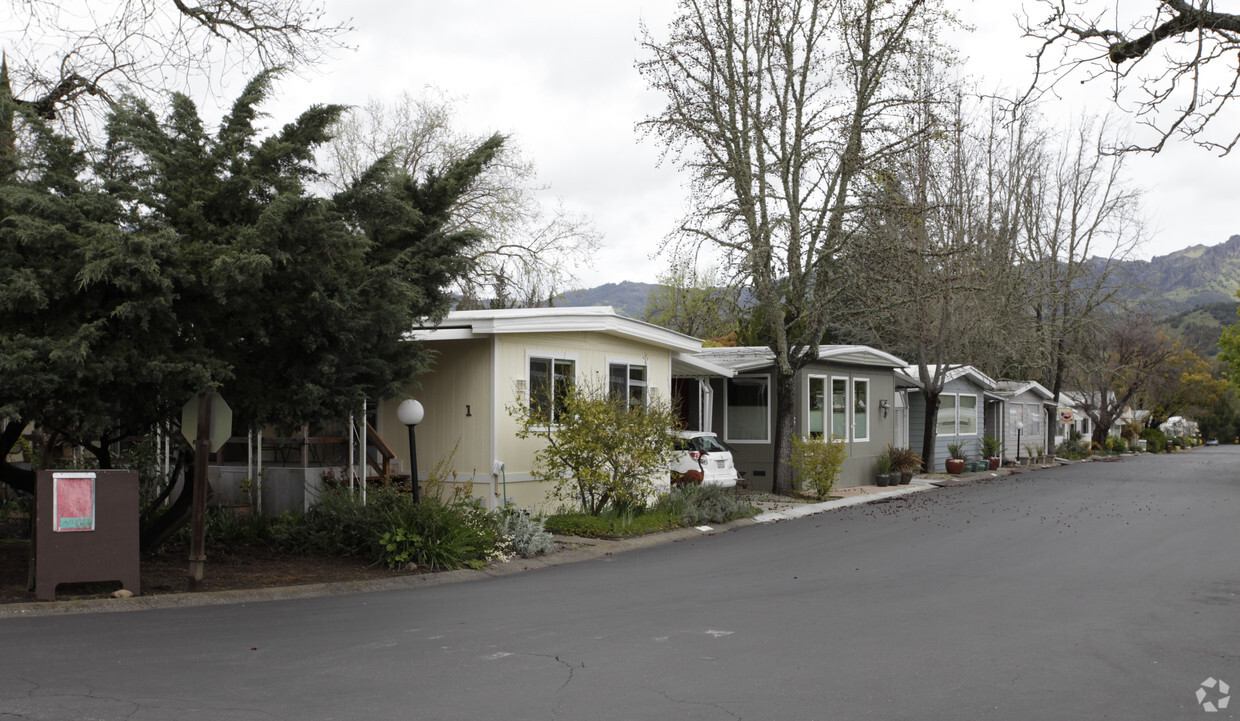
(494,431)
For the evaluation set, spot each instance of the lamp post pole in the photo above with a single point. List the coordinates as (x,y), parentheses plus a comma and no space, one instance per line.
(1019,427)
(411,413)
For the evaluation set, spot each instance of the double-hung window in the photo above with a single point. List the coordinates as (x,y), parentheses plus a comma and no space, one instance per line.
(627,381)
(861,409)
(749,409)
(1033,420)
(947,415)
(817,407)
(849,414)
(957,415)
(551,381)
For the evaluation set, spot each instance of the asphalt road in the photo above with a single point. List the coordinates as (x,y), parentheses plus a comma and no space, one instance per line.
(1092,591)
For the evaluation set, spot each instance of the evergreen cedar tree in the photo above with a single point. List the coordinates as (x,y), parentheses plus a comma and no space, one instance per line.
(184,261)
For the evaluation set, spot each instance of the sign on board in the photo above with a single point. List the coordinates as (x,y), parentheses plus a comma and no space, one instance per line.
(73,501)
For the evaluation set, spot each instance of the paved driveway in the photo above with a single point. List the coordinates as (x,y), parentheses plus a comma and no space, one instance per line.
(1102,590)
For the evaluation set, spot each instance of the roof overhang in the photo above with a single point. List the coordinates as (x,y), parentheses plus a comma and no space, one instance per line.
(750,358)
(686,365)
(472,324)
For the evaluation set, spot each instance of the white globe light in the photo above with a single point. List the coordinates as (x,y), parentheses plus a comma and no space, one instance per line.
(410,412)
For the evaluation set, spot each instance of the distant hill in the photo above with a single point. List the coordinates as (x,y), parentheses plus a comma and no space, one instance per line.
(1194,287)
(627,298)
(1192,277)
(1198,329)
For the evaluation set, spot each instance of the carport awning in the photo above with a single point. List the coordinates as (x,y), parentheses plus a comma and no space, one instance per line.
(685,365)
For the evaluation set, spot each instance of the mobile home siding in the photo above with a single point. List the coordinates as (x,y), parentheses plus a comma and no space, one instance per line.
(917,422)
(756,459)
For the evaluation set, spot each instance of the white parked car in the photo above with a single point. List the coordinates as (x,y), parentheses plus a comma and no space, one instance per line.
(704,452)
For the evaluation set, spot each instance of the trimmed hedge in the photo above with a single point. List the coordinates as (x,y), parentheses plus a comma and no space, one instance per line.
(1155,440)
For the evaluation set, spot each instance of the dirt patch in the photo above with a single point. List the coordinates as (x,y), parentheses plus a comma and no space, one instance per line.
(166,572)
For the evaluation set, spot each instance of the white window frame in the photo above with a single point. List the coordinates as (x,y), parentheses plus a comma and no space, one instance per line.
(844,433)
(976,420)
(1033,420)
(551,356)
(826,405)
(955,416)
(628,364)
(728,410)
(852,409)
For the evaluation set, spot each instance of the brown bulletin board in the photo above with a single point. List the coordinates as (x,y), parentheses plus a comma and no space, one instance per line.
(86,530)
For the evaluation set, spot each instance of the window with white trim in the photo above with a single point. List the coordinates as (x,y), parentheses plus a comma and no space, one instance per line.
(550,382)
(817,407)
(946,425)
(957,414)
(848,416)
(861,409)
(749,409)
(966,419)
(1033,420)
(628,381)
(839,408)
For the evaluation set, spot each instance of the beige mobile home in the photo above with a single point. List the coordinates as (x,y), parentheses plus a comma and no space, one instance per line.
(489,360)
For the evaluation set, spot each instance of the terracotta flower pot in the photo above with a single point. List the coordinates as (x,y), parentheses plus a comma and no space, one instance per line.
(955,466)
(994,463)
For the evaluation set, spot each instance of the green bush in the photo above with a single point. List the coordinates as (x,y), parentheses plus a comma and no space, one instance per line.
(601,450)
(1155,441)
(527,534)
(612,523)
(229,528)
(436,534)
(1074,447)
(817,463)
(336,525)
(698,505)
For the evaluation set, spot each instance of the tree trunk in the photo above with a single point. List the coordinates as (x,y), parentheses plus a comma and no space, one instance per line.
(19,479)
(785,424)
(929,436)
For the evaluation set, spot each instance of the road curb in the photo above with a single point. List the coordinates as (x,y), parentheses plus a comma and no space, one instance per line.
(584,549)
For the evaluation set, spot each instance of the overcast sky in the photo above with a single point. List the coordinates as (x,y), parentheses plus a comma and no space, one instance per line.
(558,76)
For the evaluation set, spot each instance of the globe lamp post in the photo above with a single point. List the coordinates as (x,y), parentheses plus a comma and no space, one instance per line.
(1019,427)
(411,413)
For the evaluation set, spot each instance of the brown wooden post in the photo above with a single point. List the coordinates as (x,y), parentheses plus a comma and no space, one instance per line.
(198,508)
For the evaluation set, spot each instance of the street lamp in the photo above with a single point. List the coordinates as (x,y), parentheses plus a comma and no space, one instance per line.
(410,412)
(1020,426)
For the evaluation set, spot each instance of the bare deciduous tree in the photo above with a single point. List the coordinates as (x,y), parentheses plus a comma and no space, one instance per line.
(1116,363)
(1081,224)
(70,59)
(775,109)
(528,251)
(1173,60)
(932,277)
(702,304)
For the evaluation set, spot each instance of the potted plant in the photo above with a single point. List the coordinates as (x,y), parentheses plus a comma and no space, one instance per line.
(955,458)
(883,468)
(904,461)
(992,449)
